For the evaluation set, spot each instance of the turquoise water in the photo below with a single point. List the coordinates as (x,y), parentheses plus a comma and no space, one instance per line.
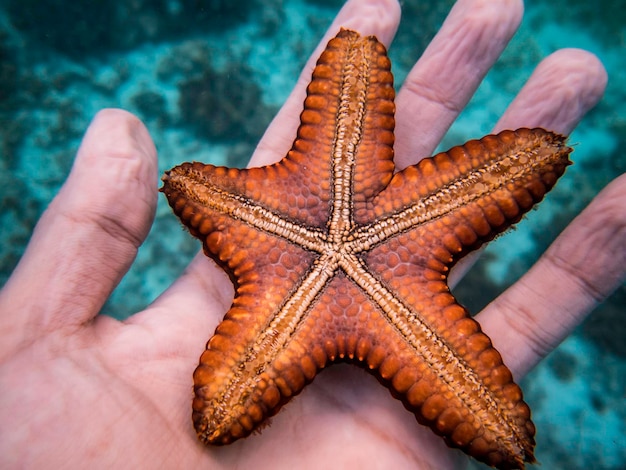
(60,63)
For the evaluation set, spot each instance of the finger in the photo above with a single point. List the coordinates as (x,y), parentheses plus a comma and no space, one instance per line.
(369,17)
(88,237)
(448,73)
(579,270)
(561,90)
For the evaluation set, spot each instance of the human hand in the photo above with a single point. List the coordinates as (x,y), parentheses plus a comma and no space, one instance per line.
(79,389)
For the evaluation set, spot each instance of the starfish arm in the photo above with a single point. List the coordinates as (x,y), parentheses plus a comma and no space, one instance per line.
(248,370)
(435,357)
(439,362)
(208,198)
(489,183)
(348,112)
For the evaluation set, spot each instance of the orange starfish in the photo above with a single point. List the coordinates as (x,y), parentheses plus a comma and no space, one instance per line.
(335,257)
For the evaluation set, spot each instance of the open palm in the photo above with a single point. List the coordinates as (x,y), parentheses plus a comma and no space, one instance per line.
(82,390)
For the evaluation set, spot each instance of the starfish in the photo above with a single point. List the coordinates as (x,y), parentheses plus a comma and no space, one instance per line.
(336,258)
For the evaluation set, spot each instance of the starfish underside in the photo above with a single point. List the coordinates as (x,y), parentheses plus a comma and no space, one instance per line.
(335,257)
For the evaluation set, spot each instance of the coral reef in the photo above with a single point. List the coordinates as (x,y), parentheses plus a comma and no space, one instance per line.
(151,105)
(420,22)
(224,105)
(73,29)
(607,326)
(8,72)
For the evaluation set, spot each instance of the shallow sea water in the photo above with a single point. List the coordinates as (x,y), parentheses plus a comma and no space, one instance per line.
(60,64)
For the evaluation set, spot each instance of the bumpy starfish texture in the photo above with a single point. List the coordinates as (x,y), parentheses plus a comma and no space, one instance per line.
(335,257)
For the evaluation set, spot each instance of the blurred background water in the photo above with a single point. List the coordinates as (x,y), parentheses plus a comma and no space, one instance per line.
(207,77)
